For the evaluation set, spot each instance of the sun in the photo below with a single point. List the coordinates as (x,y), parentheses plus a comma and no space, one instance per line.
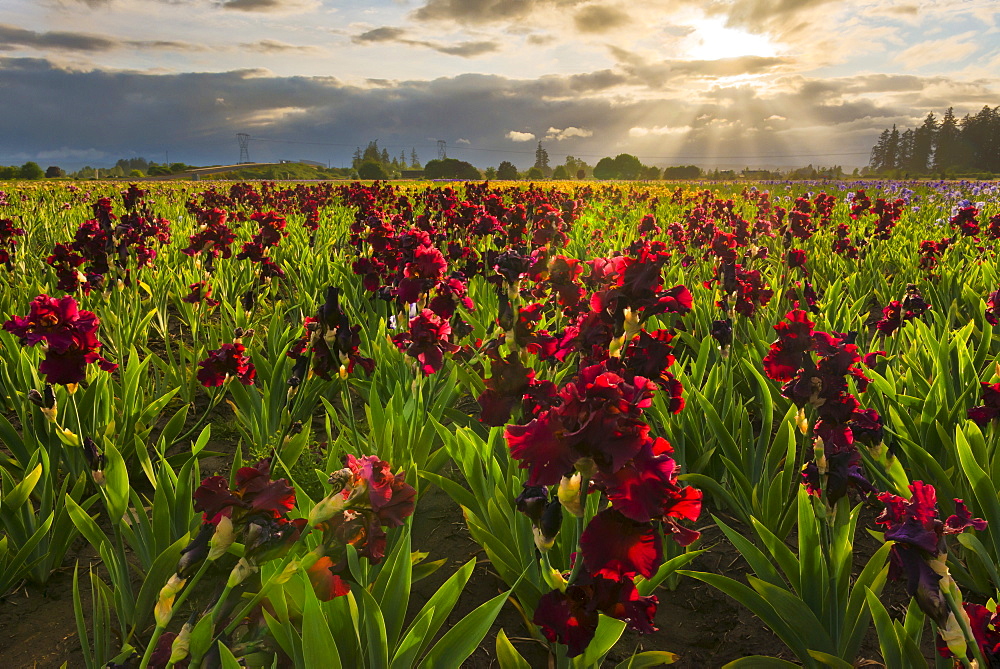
(711,39)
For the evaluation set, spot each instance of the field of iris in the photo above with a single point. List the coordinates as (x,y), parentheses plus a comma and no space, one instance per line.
(593,372)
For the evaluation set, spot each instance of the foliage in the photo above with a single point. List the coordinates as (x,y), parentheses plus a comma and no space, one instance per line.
(450,168)
(574,363)
(950,146)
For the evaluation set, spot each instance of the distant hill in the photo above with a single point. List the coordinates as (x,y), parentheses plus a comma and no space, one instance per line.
(283,171)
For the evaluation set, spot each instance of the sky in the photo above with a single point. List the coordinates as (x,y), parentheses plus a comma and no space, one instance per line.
(715,83)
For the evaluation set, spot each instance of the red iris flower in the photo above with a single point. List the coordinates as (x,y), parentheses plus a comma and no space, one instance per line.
(225,361)
(427,340)
(795,258)
(70,336)
(993,304)
(990,407)
(373,499)
(200,292)
(599,418)
(571,617)
(7,242)
(255,493)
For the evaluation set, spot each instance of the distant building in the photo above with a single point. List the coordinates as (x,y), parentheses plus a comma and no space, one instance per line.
(412,174)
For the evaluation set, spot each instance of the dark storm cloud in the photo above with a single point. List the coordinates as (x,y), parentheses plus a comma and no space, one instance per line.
(196,116)
(389,34)
(12,37)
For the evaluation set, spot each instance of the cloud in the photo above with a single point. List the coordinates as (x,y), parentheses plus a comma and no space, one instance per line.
(768,16)
(389,34)
(463,141)
(516,136)
(557,134)
(931,52)
(12,37)
(383,34)
(656,74)
(274,47)
(599,19)
(269,5)
(658,130)
(113,112)
(473,11)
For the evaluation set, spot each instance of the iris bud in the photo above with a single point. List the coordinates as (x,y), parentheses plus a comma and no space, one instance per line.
(222,539)
(181,647)
(546,531)
(569,494)
(240,572)
(165,604)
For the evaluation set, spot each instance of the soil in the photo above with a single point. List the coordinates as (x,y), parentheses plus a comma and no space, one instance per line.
(699,623)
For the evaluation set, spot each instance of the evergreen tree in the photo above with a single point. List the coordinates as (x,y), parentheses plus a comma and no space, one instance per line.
(923,145)
(892,150)
(372,153)
(946,148)
(991,139)
(414,160)
(905,150)
(980,140)
(879,152)
(541,158)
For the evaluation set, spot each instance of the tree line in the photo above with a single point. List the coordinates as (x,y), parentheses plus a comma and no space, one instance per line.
(947,147)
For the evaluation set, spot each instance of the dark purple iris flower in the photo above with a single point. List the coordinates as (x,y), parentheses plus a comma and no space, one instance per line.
(918,535)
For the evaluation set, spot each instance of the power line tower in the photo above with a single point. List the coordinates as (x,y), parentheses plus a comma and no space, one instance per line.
(442,152)
(244,140)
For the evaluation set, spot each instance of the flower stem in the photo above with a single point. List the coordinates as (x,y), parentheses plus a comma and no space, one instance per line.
(264,588)
(963,620)
(151,646)
(578,566)
(79,430)
(216,400)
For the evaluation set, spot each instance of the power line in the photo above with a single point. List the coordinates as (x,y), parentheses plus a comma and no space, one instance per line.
(590,155)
